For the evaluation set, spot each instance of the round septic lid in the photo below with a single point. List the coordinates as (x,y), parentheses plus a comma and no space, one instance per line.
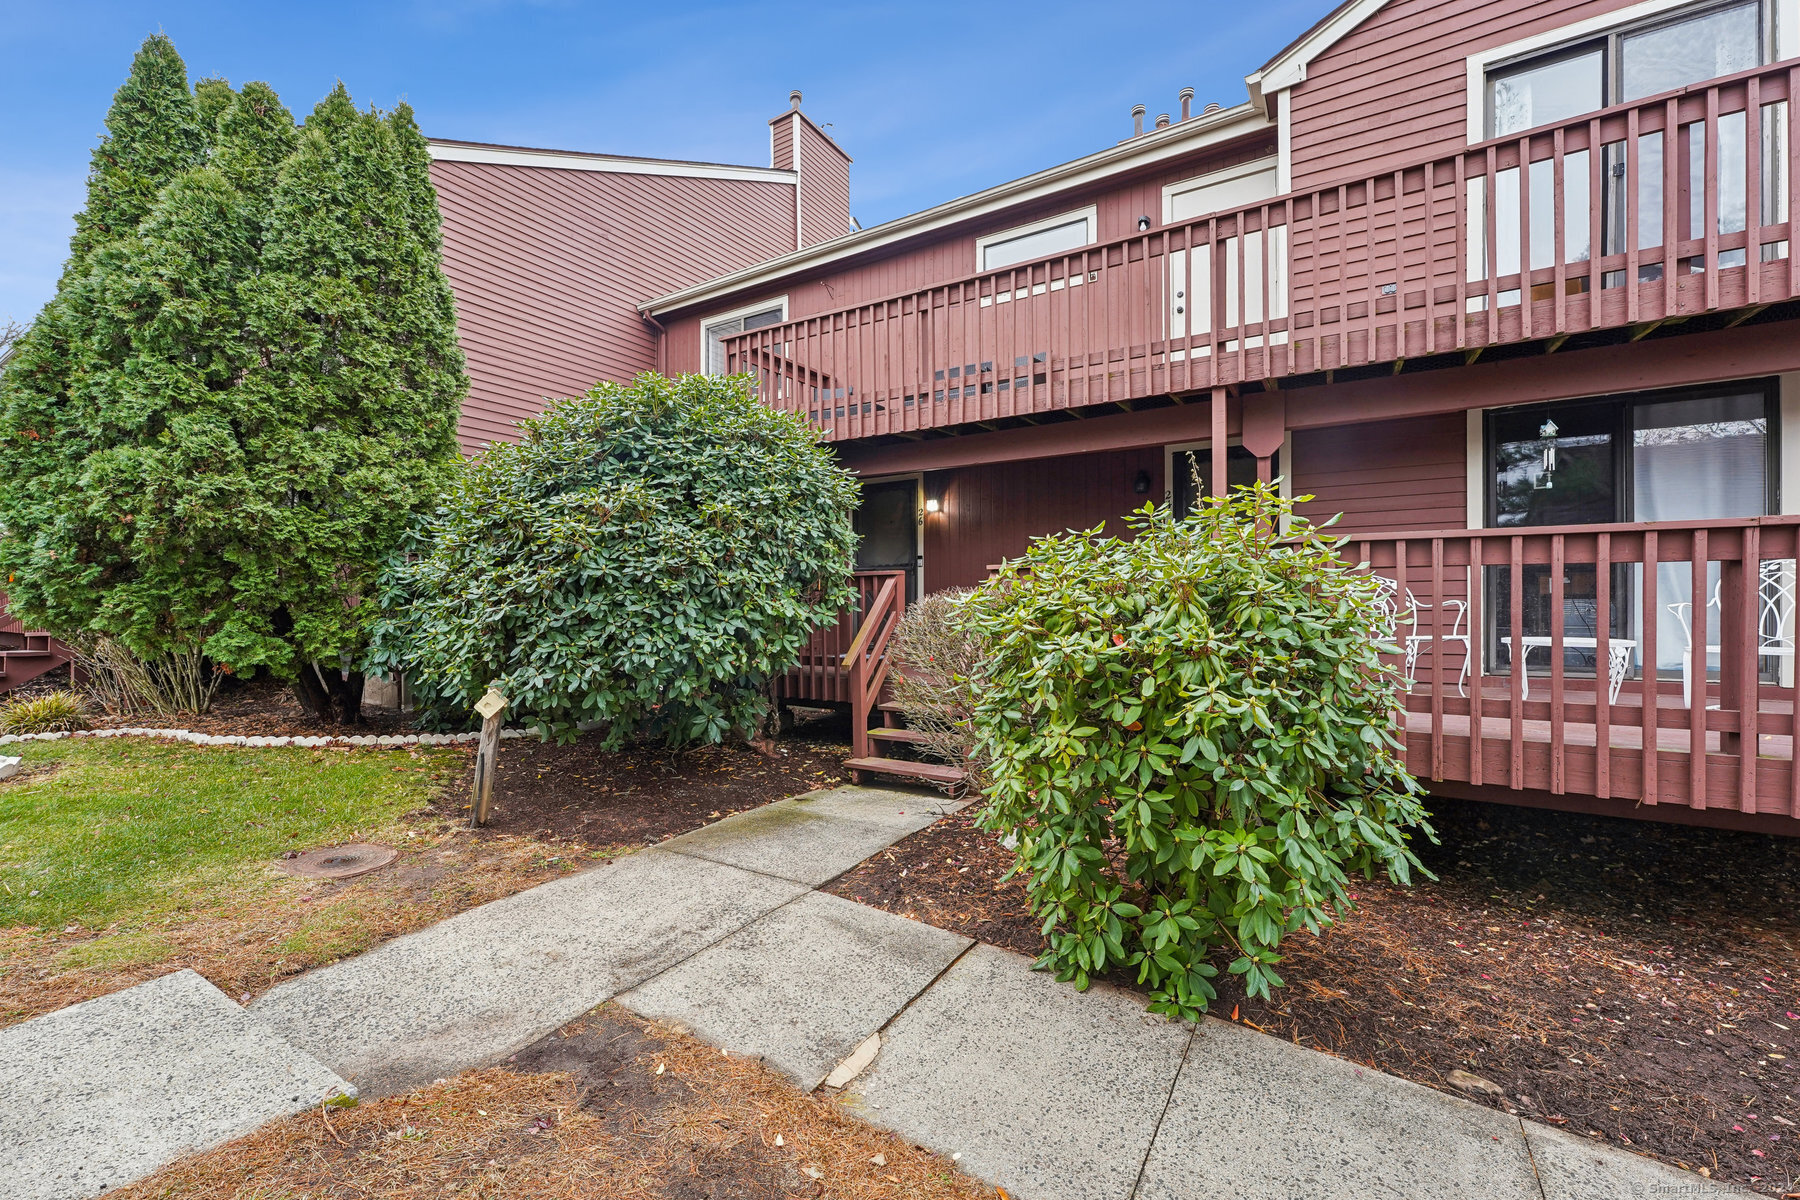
(339,862)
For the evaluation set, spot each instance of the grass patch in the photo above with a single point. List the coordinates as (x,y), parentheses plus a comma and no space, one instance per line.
(337,932)
(115,950)
(122,827)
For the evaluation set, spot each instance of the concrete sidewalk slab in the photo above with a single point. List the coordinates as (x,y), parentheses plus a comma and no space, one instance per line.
(1574,1168)
(803,986)
(1257,1118)
(1049,1092)
(810,839)
(486,982)
(105,1091)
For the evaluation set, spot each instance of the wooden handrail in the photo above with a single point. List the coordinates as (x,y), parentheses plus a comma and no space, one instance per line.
(884,599)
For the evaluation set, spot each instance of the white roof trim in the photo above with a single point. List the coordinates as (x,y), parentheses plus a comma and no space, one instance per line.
(1183,137)
(568,160)
(1289,67)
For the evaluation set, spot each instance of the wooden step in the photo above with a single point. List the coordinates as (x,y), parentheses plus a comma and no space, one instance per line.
(937,773)
(911,737)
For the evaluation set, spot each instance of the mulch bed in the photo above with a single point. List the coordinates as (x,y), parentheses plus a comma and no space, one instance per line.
(581,795)
(1634,982)
(608,1106)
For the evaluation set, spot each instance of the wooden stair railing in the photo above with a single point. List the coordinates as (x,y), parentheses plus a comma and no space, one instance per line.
(867,661)
(26,654)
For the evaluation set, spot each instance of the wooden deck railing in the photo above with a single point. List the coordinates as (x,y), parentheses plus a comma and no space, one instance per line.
(1599,617)
(1661,208)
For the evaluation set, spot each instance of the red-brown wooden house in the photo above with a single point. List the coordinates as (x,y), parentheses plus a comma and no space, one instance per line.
(1509,285)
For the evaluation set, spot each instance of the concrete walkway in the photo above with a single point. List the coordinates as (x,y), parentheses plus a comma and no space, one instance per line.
(1051,1093)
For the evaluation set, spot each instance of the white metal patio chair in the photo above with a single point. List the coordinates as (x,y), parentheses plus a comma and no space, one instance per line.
(1415,643)
(1774,623)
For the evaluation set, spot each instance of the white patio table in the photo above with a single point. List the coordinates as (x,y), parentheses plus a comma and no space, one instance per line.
(1619,651)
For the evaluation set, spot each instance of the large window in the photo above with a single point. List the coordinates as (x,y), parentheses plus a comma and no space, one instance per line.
(1690,45)
(1692,455)
(716,329)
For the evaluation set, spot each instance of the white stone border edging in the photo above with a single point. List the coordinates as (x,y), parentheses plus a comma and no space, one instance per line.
(234,739)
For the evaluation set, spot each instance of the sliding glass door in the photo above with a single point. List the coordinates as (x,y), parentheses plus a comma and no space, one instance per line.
(1694,455)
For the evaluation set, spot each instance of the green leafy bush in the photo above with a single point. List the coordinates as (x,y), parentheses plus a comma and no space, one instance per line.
(1190,734)
(52,712)
(649,558)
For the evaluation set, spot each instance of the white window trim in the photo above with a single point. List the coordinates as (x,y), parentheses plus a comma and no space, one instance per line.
(1286,454)
(1787,45)
(1244,170)
(1091,214)
(711,319)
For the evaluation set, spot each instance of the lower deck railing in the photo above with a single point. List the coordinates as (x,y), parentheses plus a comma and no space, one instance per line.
(1647,663)
(1652,663)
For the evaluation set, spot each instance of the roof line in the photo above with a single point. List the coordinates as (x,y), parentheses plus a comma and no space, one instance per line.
(1183,137)
(1288,67)
(446,150)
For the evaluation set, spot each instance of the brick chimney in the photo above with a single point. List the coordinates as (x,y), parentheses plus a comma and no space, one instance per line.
(822,199)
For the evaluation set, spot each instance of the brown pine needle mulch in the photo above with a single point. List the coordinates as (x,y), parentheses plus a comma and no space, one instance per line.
(609,1106)
(1633,982)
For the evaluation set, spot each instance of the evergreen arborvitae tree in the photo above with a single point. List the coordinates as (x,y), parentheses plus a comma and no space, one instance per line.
(220,427)
(360,389)
(168,485)
(154,132)
(212,96)
(153,135)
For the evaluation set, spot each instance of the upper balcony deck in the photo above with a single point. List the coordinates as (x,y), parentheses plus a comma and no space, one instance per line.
(1643,213)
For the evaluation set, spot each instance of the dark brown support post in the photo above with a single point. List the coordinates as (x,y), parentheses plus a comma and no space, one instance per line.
(1218,487)
(1265,428)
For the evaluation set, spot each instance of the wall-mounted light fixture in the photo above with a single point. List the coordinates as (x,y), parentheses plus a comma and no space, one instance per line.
(934,505)
(1143,224)
(1140,483)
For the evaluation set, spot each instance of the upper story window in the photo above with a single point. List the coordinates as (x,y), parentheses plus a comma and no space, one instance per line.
(1040,239)
(714,331)
(1658,54)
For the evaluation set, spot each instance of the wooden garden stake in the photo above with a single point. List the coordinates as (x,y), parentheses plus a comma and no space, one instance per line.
(490,707)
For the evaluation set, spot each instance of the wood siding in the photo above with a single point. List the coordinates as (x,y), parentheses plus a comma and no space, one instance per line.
(1394,89)
(824,187)
(549,265)
(992,512)
(1385,475)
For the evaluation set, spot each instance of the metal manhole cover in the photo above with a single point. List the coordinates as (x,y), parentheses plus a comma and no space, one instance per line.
(339,862)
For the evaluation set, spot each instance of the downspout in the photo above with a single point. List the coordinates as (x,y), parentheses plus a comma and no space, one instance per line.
(662,344)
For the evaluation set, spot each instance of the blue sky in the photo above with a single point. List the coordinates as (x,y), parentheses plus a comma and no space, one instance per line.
(933,100)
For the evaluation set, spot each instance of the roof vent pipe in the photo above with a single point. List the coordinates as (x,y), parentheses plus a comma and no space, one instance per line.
(1137,119)
(1187,103)
(1162,120)
(794,100)
(1212,106)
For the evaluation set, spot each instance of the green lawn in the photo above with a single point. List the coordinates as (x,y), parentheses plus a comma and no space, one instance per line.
(102,830)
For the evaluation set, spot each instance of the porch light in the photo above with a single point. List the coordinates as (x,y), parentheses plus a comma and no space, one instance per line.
(933,504)
(1143,224)
(1140,483)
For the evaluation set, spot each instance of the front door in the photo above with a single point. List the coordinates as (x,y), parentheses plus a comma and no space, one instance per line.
(887,522)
